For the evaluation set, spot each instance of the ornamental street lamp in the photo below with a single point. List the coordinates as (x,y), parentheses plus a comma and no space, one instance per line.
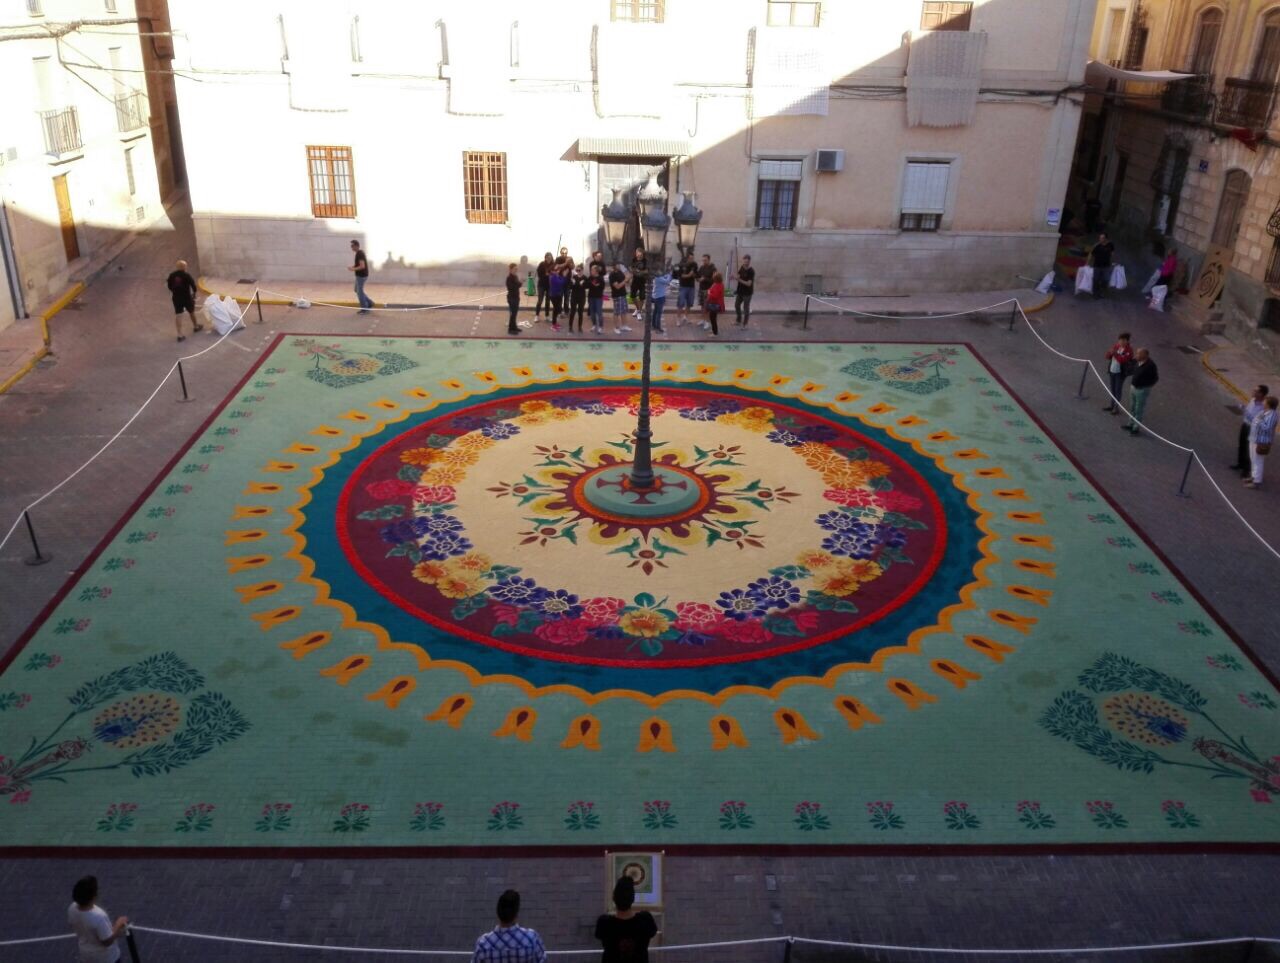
(615,215)
(687,216)
(654,225)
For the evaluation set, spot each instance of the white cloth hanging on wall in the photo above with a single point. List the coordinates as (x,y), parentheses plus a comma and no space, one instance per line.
(789,75)
(944,70)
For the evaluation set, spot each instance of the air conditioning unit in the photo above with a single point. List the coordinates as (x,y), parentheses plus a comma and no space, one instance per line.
(829,160)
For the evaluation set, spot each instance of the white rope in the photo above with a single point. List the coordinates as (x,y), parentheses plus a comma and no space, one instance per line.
(1195,455)
(351,307)
(125,427)
(913,317)
(893,947)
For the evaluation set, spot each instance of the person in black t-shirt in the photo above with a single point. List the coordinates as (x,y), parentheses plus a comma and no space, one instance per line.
(360,268)
(746,288)
(618,292)
(182,286)
(1101,255)
(577,297)
(688,276)
(513,298)
(544,286)
(595,298)
(705,272)
(625,934)
(639,282)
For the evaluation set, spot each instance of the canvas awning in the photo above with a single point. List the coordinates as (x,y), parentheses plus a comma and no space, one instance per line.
(632,147)
(1097,73)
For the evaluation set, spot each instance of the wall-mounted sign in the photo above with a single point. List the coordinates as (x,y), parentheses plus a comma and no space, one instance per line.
(1053,216)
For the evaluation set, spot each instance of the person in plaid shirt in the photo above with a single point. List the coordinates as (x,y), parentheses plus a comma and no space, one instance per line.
(508,942)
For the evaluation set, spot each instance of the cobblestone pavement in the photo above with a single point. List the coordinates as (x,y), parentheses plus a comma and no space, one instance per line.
(111,352)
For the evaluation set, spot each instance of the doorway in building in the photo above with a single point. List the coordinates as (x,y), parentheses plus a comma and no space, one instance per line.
(66,219)
(1235,194)
(628,175)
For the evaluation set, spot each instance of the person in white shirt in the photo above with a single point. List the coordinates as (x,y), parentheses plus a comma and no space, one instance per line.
(1253,407)
(97,937)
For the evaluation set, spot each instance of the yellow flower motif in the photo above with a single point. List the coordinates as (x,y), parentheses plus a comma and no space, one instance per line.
(838,583)
(631,366)
(460,586)
(706,369)
(486,376)
(420,456)
(816,560)
(753,419)
(563,414)
(522,372)
(537,418)
(646,623)
(864,570)
(429,572)
(537,404)
(559,369)
(355,366)
(443,475)
(819,456)
(476,563)
(670,367)
(474,441)
(595,367)
(459,457)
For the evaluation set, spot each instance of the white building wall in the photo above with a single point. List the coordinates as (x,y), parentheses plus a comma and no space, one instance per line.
(684,79)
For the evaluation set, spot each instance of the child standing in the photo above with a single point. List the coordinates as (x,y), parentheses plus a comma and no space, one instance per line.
(618,291)
(715,301)
(558,285)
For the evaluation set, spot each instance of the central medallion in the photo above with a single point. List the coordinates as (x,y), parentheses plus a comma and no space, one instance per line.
(608,494)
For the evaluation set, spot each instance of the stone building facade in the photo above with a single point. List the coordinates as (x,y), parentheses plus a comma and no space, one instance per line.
(851,147)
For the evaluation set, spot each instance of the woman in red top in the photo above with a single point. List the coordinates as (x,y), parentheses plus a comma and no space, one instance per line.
(715,301)
(1119,363)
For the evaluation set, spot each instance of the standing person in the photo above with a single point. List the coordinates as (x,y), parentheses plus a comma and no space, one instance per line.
(1145,376)
(595,299)
(563,258)
(1251,410)
(97,937)
(597,260)
(1119,361)
(639,282)
(1262,434)
(508,942)
(182,286)
(688,275)
(544,287)
(746,288)
(1168,268)
(577,297)
(661,285)
(618,291)
(625,934)
(715,301)
(1100,258)
(706,271)
(513,298)
(559,286)
(361,270)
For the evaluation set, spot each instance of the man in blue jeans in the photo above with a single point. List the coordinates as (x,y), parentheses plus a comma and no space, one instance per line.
(661,284)
(361,269)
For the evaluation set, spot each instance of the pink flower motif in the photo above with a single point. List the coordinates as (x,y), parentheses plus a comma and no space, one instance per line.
(1260,795)
(18,798)
(435,494)
(698,617)
(563,631)
(896,501)
(506,614)
(389,488)
(749,632)
(602,611)
(852,497)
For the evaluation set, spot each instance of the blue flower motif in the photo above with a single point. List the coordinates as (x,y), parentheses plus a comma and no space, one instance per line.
(558,604)
(698,414)
(819,433)
(595,408)
(469,422)
(712,410)
(782,437)
(499,430)
(692,638)
(438,547)
(740,605)
(515,590)
(438,523)
(774,592)
(404,530)
(852,544)
(842,521)
(890,537)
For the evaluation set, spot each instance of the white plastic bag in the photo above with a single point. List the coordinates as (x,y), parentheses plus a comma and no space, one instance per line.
(1046,284)
(223,314)
(1158,294)
(1118,279)
(1084,280)
(302,303)
(1151,281)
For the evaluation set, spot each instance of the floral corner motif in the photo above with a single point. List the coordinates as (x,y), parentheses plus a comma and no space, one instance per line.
(196,819)
(1033,816)
(119,818)
(427,817)
(504,817)
(658,815)
(1105,815)
(957,816)
(1177,815)
(352,818)
(734,815)
(581,815)
(276,817)
(809,817)
(882,817)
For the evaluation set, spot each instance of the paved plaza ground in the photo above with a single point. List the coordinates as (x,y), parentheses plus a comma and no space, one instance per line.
(111,351)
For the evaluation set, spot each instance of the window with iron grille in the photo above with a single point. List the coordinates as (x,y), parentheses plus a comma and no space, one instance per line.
(484,186)
(777,191)
(788,13)
(333,181)
(945,15)
(638,11)
(924,195)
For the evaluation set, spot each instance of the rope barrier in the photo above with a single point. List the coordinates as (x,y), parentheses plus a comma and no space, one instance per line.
(914,317)
(125,427)
(356,307)
(721,944)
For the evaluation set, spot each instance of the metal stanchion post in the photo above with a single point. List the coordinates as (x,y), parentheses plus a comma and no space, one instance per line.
(132,944)
(806,312)
(1080,395)
(257,297)
(39,558)
(786,949)
(1013,315)
(183,380)
(1186,473)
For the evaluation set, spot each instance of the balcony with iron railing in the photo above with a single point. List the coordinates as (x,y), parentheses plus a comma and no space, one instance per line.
(61,131)
(131,111)
(1191,98)
(1246,103)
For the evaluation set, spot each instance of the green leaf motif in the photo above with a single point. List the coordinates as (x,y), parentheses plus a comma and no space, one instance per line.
(828,603)
(781,625)
(469,606)
(377,514)
(791,572)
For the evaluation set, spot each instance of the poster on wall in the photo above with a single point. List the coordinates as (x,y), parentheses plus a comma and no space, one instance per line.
(645,870)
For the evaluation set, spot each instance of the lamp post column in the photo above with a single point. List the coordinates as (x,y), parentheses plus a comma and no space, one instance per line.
(642,470)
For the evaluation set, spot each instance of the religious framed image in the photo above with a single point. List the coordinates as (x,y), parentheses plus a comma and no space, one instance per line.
(645,870)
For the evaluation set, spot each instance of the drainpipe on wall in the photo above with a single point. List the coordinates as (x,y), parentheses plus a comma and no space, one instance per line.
(11,264)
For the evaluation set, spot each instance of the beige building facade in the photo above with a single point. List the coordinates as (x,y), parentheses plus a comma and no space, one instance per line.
(850,147)
(1192,163)
(77,164)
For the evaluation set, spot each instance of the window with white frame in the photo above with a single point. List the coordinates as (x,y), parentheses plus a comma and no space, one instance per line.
(792,13)
(924,195)
(777,194)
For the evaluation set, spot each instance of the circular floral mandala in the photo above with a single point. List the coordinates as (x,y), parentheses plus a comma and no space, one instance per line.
(507,534)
